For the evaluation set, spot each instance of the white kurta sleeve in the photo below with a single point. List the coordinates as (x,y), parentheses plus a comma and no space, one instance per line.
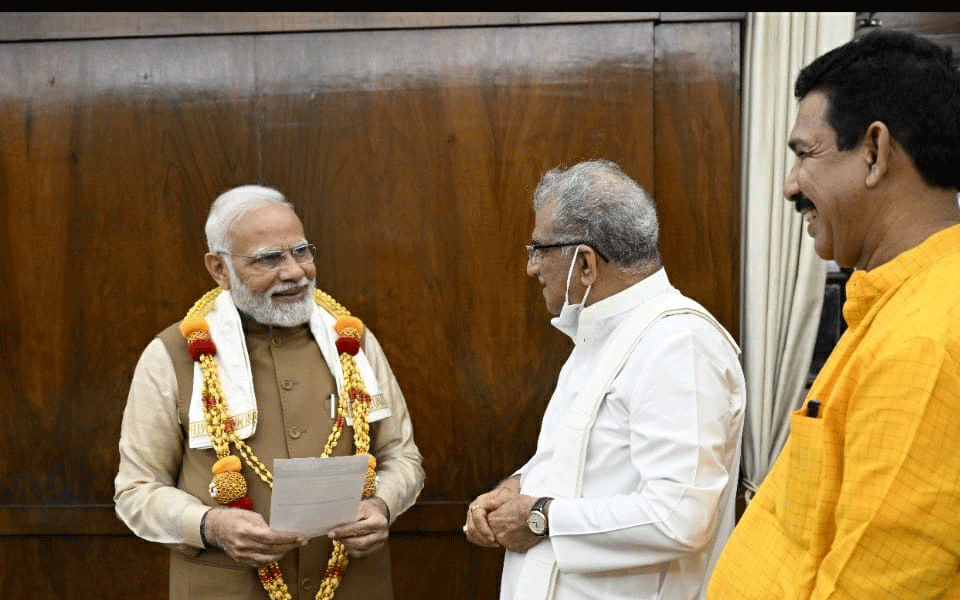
(678,406)
(151,452)
(399,462)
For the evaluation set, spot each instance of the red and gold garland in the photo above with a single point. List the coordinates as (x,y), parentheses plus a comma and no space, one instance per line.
(229,486)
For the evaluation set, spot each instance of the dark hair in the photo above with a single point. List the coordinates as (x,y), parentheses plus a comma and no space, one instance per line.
(902,80)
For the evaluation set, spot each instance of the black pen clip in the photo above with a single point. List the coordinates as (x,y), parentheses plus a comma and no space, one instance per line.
(813,408)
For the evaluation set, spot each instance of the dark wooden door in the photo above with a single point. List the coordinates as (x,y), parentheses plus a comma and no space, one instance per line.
(410,144)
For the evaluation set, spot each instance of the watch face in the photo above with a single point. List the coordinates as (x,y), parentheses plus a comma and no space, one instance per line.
(537,523)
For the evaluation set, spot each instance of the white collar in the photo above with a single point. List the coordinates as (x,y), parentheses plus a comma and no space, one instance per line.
(599,319)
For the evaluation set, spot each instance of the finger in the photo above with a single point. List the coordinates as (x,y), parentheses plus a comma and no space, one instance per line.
(286,539)
(363,545)
(256,559)
(480,527)
(351,530)
(365,550)
(477,536)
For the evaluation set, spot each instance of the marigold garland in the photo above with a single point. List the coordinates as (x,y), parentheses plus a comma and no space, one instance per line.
(228,485)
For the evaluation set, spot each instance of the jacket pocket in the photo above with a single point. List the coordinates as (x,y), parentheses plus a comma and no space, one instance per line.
(211,574)
(804,458)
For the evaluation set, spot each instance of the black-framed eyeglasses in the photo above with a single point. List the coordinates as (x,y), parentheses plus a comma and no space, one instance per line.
(535,250)
(271,260)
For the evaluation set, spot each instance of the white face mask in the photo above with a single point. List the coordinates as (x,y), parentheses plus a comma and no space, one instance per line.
(569,318)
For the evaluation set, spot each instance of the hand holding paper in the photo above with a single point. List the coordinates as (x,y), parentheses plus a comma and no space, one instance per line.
(245,536)
(369,532)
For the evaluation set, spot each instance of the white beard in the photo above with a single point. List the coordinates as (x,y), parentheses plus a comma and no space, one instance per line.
(264,310)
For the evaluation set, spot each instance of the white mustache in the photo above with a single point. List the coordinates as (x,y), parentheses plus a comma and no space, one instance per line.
(286,287)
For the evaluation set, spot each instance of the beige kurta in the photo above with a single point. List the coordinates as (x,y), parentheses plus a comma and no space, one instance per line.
(162,486)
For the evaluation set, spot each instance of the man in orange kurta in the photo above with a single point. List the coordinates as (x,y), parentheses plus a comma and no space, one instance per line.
(863,501)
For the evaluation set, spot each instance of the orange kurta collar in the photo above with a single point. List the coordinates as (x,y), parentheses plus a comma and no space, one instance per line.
(865,288)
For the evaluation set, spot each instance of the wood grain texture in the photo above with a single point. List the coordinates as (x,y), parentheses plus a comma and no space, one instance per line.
(110,159)
(82,568)
(411,154)
(28,26)
(414,182)
(940,28)
(698,148)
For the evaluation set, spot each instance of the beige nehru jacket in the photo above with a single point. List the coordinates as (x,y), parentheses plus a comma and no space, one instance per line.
(161,485)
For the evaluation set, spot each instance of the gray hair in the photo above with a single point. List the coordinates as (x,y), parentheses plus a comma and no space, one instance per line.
(233,204)
(595,201)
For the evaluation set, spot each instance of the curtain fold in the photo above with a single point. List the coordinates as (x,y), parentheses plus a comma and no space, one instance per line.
(783,279)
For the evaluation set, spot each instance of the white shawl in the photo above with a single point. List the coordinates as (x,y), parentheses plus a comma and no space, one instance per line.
(236,378)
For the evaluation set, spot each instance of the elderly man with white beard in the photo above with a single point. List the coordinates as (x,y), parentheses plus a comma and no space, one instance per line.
(262,367)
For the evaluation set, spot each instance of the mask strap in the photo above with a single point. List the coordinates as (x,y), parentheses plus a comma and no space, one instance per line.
(566,294)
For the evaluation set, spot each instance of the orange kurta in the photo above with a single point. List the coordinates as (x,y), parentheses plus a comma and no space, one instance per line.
(864,500)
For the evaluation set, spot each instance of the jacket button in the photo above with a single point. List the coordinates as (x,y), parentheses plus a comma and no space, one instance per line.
(286,384)
(276,342)
(294,432)
(306,584)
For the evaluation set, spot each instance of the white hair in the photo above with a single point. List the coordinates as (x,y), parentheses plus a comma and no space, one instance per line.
(231,205)
(595,201)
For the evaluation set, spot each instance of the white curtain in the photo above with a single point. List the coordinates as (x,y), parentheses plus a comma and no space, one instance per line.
(783,279)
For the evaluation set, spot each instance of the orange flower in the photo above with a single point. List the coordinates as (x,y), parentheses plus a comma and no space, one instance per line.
(227,463)
(347,326)
(193,325)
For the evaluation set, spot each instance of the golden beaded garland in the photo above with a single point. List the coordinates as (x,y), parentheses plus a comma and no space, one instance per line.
(229,486)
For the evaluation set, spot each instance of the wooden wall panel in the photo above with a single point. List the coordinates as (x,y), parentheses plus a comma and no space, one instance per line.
(698,162)
(82,568)
(31,26)
(110,158)
(411,154)
(414,157)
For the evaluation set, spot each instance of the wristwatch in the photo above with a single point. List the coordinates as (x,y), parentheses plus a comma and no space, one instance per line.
(537,519)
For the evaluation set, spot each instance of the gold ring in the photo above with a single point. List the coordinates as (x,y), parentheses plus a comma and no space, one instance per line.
(465,528)
(476,506)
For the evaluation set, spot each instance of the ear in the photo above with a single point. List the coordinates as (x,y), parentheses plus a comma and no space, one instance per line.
(878,146)
(217,269)
(588,265)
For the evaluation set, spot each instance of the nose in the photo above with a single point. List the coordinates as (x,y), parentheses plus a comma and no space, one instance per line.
(291,270)
(533,267)
(791,189)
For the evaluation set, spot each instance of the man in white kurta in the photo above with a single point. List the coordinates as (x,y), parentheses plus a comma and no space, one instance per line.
(642,508)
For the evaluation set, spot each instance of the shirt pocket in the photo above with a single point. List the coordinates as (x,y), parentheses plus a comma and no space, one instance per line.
(804,460)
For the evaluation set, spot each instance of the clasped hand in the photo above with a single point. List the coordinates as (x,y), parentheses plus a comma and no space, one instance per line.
(499,518)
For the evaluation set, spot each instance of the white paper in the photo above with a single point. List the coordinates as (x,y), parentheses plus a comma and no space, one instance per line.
(311,496)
